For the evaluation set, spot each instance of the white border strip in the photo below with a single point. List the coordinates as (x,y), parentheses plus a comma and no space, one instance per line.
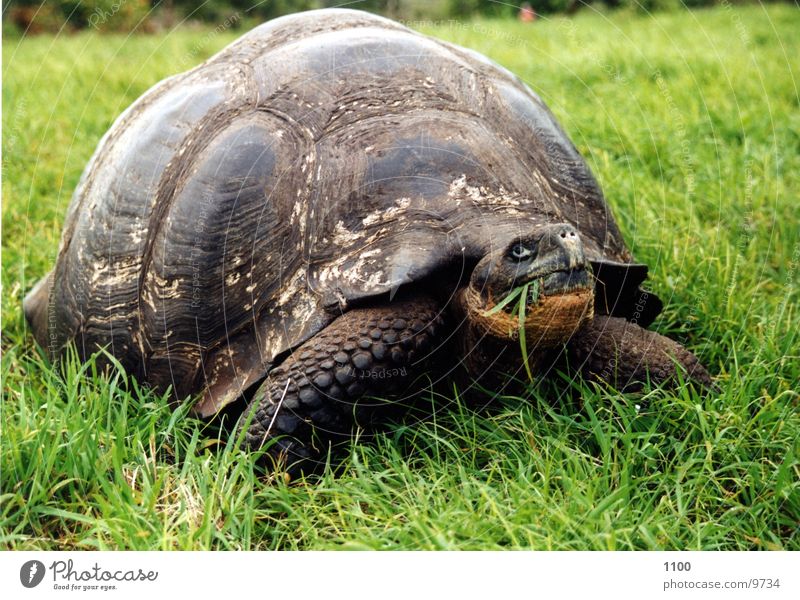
(402,575)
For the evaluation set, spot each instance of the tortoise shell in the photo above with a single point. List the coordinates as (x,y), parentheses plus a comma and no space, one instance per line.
(321,159)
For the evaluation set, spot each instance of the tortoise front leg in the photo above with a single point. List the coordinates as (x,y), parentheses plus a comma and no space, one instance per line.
(317,394)
(626,355)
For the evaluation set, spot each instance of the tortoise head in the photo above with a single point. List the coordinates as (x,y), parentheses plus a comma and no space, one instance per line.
(542,278)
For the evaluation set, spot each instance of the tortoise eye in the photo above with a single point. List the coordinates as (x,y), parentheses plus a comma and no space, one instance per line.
(520,252)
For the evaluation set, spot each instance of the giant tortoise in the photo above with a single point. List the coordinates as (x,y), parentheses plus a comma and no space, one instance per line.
(333,213)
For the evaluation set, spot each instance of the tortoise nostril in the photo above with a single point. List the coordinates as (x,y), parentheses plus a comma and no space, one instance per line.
(563,235)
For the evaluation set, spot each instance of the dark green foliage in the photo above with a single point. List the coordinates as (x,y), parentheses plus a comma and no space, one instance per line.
(102,15)
(35,16)
(490,8)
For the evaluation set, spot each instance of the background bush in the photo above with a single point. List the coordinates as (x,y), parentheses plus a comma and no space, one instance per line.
(37,16)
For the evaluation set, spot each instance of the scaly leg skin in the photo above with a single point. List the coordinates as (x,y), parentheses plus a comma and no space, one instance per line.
(317,395)
(626,355)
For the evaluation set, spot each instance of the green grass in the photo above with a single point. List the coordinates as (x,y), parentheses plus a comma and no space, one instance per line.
(692,124)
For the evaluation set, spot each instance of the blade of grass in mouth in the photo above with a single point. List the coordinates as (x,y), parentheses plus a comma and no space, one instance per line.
(534,288)
(523,344)
(512,295)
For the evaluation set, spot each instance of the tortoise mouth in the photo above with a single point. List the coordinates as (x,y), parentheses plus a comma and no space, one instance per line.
(539,289)
(561,282)
(555,305)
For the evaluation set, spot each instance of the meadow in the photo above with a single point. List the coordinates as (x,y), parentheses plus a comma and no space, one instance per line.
(691,122)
